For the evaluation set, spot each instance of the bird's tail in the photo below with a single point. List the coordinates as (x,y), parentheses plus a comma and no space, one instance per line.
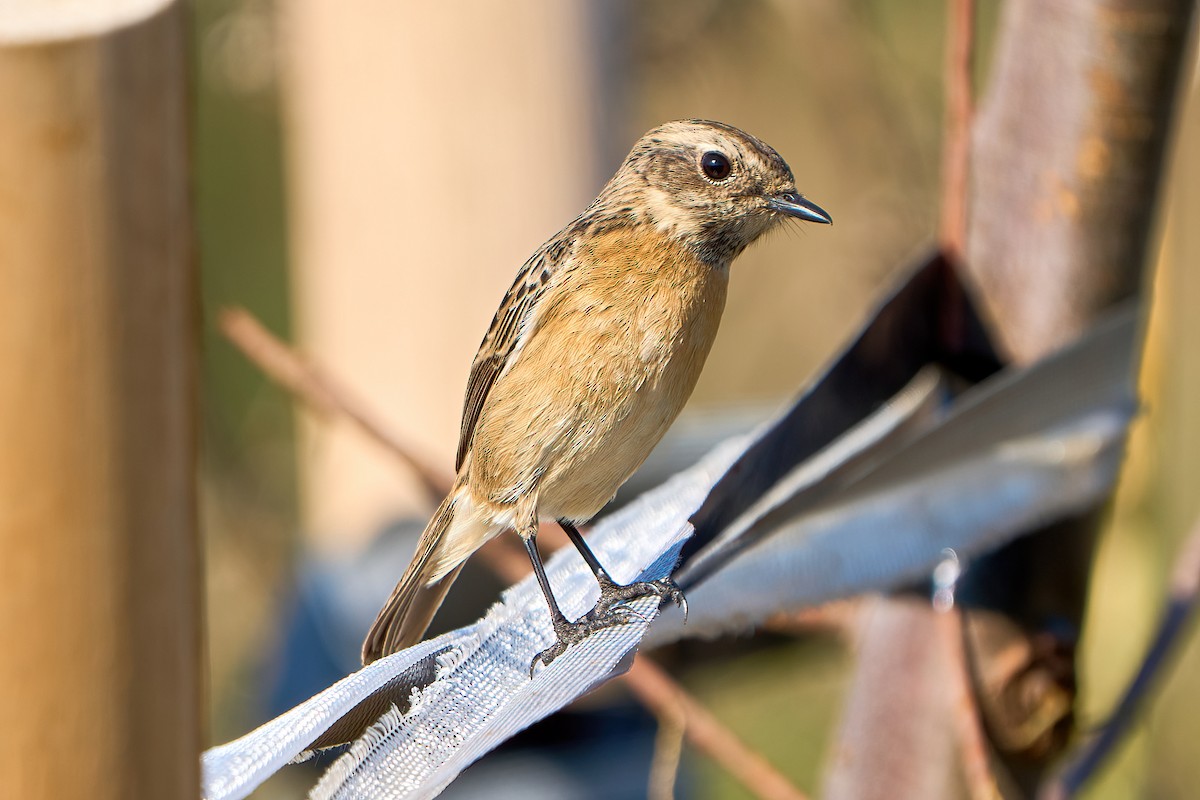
(410,608)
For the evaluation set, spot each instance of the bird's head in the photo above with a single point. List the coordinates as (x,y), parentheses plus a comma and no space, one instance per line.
(713,187)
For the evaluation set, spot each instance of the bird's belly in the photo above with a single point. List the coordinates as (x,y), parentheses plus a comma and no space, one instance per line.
(601,457)
(575,439)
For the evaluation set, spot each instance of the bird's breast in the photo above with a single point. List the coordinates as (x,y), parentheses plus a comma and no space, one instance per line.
(615,355)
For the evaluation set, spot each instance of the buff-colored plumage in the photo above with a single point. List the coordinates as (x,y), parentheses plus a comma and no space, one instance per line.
(595,350)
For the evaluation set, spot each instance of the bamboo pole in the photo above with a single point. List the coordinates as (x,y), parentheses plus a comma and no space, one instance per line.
(99,634)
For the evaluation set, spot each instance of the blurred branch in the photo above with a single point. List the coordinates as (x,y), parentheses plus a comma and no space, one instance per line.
(894,740)
(1067,161)
(972,743)
(838,617)
(322,393)
(960,47)
(669,701)
(1181,605)
(664,766)
(957,75)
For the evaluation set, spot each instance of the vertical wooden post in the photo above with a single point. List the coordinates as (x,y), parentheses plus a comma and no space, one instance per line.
(99,634)
(426,163)
(1067,162)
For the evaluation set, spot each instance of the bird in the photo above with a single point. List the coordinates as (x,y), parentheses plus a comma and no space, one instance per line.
(590,357)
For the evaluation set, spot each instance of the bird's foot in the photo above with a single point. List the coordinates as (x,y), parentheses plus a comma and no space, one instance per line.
(569,633)
(609,611)
(613,595)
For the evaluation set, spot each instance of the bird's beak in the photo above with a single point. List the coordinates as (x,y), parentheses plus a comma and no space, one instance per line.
(793,204)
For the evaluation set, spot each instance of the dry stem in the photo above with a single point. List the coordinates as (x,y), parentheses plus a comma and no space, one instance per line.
(956,148)
(971,740)
(307,381)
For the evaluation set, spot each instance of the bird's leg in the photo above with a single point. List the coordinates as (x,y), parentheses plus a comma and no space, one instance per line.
(613,594)
(566,633)
(557,618)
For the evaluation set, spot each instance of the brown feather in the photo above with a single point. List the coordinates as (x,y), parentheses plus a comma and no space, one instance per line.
(410,607)
(502,340)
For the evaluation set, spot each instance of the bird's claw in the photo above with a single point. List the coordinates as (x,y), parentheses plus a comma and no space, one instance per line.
(546,656)
(614,594)
(610,610)
(569,633)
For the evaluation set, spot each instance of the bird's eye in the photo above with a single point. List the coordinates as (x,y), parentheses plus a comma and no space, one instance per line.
(715,165)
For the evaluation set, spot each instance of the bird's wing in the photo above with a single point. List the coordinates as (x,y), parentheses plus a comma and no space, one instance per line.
(514,323)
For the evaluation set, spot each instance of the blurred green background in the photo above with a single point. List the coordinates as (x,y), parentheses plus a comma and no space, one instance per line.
(851,94)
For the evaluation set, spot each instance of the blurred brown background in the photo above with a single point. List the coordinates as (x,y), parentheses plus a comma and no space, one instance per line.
(369,181)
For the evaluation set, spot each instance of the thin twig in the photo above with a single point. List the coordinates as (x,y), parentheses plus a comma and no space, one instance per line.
(956,151)
(839,617)
(957,145)
(1181,606)
(664,697)
(318,390)
(971,741)
(653,687)
(668,749)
